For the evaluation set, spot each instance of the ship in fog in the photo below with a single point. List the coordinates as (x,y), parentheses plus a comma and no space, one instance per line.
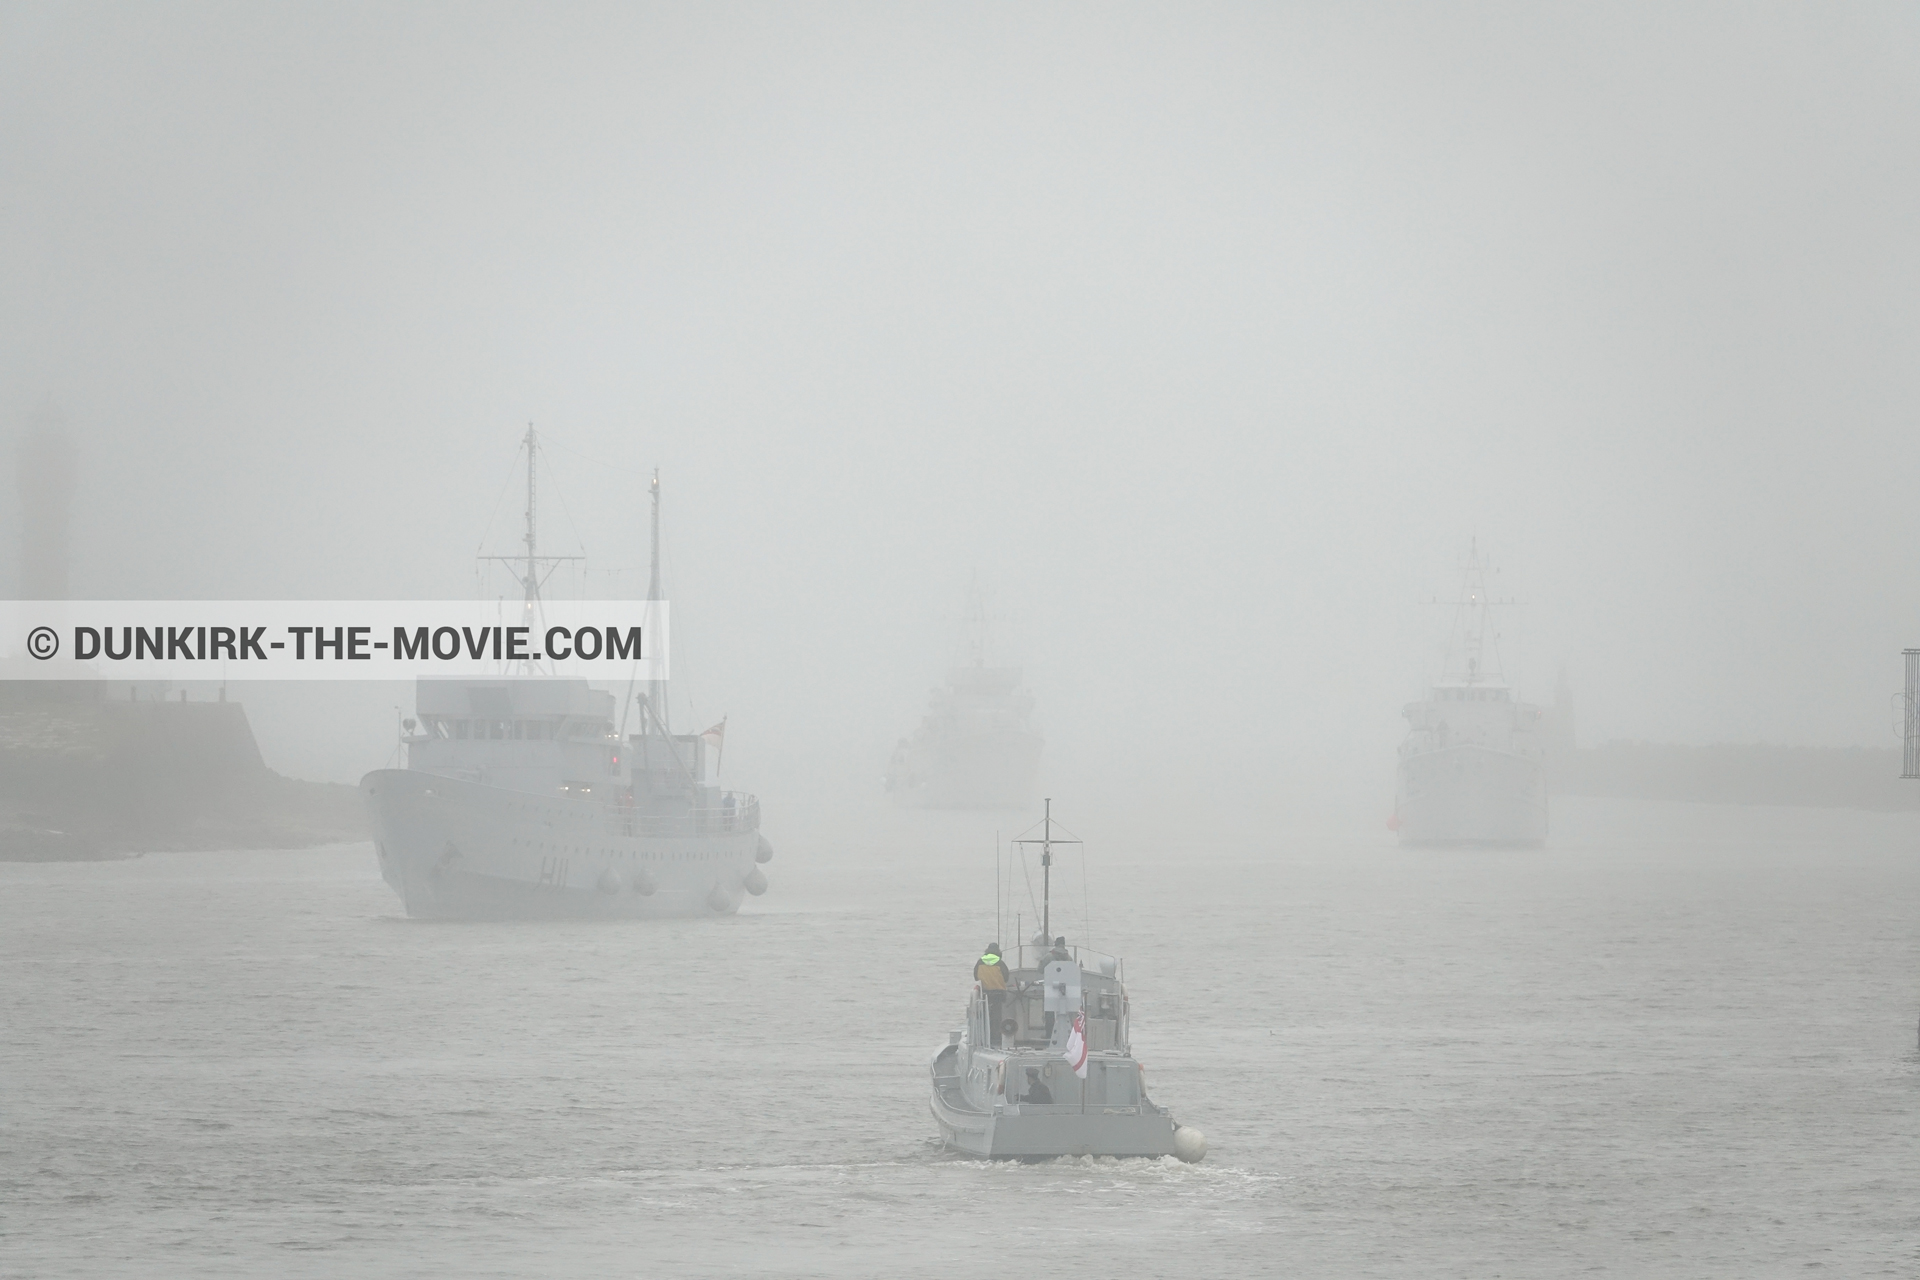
(1044,1064)
(976,747)
(1472,768)
(525,797)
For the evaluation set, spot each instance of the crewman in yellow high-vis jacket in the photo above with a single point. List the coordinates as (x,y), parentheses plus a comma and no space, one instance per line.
(991,973)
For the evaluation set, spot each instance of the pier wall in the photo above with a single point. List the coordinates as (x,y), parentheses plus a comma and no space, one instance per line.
(1815,777)
(84,776)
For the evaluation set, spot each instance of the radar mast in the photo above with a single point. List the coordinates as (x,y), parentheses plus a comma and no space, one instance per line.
(533,569)
(656,694)
(1046,842)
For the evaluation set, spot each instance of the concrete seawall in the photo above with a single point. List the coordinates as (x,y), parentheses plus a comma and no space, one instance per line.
(82,777)
(1814,777)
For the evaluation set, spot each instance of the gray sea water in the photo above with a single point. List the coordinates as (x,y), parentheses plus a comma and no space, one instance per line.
(1678,1042)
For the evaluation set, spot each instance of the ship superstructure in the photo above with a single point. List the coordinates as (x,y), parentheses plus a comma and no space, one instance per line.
(976,747)
(522,797)
(1472,767)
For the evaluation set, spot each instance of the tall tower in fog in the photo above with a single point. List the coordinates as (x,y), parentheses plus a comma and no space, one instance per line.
(46,467)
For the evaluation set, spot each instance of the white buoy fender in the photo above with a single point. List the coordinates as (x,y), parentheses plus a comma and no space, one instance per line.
(756,882)
(1189,1144)
(764,853)
(643,884)
(608,883)
(719,900)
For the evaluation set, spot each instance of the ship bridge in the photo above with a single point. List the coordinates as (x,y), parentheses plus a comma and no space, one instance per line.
(558,736)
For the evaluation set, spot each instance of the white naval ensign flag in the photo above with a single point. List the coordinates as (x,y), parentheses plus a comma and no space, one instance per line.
(1077,1046)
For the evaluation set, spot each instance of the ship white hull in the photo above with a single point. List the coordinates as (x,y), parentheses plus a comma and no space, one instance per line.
(454,849)
(1472,794)
(973,771)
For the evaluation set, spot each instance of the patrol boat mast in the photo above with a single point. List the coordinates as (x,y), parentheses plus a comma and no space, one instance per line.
(1046,843)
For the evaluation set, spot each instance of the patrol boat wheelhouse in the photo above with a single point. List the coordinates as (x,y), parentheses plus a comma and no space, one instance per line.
(1065,1025)
(520,798)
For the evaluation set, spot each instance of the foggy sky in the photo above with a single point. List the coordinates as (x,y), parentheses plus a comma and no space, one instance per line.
(1208,335)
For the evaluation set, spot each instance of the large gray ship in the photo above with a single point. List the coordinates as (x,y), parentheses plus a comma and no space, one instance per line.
(522,798)
(976,747)
(1473,766)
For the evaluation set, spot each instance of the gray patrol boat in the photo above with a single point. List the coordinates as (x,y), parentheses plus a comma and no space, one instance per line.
(1057,1075)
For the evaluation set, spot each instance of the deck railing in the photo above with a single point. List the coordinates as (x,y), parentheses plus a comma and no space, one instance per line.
(723,819)
(1033,955)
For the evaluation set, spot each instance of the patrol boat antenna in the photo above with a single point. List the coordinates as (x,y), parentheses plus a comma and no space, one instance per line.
(1046,843)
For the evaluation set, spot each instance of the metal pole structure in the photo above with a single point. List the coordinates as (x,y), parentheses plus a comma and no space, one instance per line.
(656,689)
(1046,843)
(1910,755)
(1046,876)
(1910,744)
(527,566)
(531,582)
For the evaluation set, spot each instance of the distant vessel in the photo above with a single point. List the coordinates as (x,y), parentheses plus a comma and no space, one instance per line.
(1057,1076)
(976,747)
(1472,766)
(521,799)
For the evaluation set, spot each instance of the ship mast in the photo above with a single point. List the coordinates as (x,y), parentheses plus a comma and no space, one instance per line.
(1473,625)
(533,568)
(1046,873)
(653,542)
(1046,842)
(1476,612)
(531,583)
(656,689)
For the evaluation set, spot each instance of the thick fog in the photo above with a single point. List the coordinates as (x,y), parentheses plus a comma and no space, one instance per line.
(1210,337)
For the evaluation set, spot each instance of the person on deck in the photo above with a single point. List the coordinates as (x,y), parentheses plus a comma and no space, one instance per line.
(991,973)
(1037,1091)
